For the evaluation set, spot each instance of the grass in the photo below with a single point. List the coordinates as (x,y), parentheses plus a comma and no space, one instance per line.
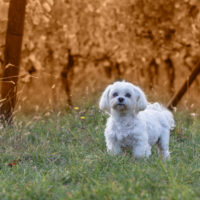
(63,156)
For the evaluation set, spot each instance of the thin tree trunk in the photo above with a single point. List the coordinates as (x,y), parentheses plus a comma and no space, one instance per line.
(170,74)
(14,37)
(67,76)
(179,94)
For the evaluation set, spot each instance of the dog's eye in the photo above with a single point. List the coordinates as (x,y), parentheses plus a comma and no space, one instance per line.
(128,95)
(115,94)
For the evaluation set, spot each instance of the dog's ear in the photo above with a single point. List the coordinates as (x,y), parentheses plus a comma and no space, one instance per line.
(104,103)
(141,101)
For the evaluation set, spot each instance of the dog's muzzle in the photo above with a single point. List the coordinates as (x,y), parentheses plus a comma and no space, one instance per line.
(120,104)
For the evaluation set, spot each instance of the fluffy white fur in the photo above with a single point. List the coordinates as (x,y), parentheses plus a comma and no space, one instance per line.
(134,122)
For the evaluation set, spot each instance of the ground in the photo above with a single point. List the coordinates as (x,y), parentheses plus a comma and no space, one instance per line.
(62,155)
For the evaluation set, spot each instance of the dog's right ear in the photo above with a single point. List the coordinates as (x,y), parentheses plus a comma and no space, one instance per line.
(104,103)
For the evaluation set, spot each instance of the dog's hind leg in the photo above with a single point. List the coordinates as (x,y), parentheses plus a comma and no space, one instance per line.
(163,144)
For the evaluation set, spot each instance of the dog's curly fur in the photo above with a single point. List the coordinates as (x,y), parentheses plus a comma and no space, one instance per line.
(134,122)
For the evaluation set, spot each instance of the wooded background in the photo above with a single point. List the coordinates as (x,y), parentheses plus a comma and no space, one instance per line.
(74,48)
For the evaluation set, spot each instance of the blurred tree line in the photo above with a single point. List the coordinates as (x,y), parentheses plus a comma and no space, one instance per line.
(77,46)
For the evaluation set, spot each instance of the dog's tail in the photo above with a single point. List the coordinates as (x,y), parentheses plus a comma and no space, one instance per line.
(168,115)
(170,118)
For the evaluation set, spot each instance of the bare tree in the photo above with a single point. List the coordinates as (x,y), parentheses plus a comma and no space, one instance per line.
(179,94)
(67,76)
(171,74)
(13,45)
(153,73)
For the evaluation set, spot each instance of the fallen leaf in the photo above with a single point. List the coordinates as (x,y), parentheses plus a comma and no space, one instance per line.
(14,163)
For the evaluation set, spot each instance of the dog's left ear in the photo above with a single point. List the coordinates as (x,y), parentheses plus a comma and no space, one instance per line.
(104,103)
(141,101)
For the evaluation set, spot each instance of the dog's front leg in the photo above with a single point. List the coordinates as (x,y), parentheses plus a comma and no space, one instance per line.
(141,150)
(113,146)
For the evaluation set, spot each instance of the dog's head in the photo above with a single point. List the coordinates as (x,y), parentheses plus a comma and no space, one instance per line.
(123,97)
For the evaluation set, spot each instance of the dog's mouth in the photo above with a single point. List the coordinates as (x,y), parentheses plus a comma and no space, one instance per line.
(120,106)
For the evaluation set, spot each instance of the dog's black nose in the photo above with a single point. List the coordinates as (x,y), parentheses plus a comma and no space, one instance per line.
(120,99)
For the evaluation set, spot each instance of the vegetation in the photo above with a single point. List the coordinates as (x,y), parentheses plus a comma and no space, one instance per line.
(63,156)
(75,47)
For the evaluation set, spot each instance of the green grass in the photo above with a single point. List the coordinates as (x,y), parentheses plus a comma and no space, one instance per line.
(64,157)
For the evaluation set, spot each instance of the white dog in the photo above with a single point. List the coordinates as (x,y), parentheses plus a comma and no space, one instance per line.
(133,122)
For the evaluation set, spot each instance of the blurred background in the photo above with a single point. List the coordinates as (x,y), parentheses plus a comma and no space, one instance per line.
(73,48)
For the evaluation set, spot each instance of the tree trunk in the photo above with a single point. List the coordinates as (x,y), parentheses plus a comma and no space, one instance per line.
(67,75)
(177,96)
(14,37)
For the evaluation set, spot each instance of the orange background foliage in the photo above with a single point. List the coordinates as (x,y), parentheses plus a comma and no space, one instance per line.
(154,44)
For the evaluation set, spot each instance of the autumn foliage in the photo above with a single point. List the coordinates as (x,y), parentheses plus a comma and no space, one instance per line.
(74,48)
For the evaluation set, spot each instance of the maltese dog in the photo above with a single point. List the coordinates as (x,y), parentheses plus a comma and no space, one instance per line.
(134,122)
